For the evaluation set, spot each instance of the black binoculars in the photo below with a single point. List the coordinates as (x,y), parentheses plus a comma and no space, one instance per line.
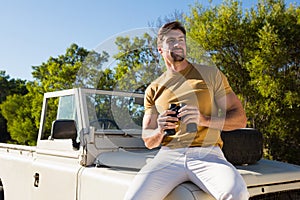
(190,128)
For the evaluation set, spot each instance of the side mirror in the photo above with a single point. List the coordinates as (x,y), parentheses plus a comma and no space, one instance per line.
(64,129)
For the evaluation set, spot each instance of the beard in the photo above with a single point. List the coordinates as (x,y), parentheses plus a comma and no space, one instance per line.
(178,56)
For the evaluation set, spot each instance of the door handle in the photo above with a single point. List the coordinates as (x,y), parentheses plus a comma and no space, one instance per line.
(36,179)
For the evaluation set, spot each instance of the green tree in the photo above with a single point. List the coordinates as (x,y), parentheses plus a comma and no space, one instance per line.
(137,63)
(8,87)
(65,71)
(17,109)
(258,50)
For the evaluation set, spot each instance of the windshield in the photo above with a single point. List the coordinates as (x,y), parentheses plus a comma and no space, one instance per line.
(115,111)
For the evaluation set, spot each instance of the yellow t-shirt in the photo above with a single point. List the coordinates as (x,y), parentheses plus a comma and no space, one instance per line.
(197,85)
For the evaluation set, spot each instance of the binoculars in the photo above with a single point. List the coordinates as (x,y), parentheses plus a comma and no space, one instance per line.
(190,128)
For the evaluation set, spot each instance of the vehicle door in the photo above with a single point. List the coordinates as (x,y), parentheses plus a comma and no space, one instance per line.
(56,166)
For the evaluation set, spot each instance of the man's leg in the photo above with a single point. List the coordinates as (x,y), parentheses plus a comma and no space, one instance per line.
(159,177)
(209,169)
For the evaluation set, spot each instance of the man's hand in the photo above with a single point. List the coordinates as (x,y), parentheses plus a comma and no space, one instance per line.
(191,114)
(165,121)
(154,126)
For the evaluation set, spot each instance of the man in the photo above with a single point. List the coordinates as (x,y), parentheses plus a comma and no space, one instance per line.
(188,155)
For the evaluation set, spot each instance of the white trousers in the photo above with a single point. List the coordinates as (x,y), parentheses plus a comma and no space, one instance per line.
(204,166)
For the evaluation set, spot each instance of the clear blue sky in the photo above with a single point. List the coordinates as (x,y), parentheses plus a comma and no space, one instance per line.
(33,30)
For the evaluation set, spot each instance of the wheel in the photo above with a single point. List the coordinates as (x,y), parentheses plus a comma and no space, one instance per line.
(242,146)
(1,193)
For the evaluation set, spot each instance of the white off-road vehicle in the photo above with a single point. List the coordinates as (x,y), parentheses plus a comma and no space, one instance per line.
(89,147)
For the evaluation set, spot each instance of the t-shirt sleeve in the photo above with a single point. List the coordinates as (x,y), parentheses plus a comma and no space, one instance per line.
(149,104)
(222,86)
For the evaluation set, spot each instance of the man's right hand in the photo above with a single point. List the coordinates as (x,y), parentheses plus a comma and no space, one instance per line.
(165,121)
(154,126)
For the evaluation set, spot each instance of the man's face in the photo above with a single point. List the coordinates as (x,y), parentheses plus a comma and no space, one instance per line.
(173,47)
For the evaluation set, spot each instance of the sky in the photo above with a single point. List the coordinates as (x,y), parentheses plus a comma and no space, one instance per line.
(32,31)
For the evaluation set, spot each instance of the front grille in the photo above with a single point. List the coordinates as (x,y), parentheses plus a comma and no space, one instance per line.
(282,195)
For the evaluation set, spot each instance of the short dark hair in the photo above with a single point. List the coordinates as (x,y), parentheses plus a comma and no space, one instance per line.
(175,25)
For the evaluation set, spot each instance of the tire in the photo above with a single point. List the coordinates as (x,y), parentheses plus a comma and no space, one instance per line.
(242,146)
(1,193)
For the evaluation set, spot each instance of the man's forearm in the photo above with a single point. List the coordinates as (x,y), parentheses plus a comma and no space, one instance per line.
(233,119)
(152,138)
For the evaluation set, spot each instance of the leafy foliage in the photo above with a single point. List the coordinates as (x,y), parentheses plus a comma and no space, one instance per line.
(8,87)
(17,109)
(137,63)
